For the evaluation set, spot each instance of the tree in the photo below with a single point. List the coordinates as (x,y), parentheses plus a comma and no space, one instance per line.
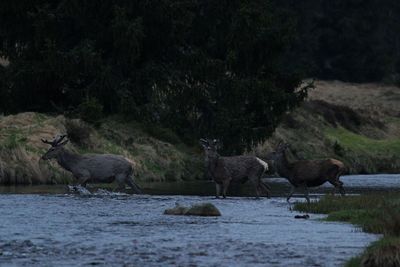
(203,68)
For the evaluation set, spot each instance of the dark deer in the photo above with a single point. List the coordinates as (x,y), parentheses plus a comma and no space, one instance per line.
(225,170)
(308,173)
(103,168)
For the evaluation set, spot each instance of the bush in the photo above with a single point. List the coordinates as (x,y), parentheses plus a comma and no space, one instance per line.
(91,110)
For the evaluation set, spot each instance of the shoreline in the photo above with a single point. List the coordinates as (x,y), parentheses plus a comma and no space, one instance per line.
(377,213)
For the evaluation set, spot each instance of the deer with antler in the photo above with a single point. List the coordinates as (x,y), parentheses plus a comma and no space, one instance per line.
(101,168)
(225,170)
(308,173)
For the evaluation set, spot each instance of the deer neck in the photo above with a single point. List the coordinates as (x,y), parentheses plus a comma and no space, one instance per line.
(212,163)
(283,165)
(68,159)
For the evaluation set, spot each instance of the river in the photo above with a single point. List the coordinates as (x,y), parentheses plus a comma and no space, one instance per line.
(47,226)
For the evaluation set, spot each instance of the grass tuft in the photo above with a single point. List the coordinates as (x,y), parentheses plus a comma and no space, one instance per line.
(375,213)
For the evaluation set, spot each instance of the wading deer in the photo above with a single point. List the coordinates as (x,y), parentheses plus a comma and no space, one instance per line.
(103,168)
(308,173)
(225,170)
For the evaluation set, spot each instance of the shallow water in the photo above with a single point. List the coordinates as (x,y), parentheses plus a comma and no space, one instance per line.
(121,229)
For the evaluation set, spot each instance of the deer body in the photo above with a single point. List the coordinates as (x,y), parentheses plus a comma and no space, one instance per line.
(225,170)
(309,173)
(103,168)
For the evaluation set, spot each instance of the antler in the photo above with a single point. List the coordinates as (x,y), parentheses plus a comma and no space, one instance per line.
(57,140)
(204,140)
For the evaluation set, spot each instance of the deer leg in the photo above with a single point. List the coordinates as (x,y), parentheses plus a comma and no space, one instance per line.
(131,183)
(225,185)
(218,190)
(120,179)
(337,185)
(306,194)
(256,183)
(120,186)
(83,179)
(291,193)
(265,188)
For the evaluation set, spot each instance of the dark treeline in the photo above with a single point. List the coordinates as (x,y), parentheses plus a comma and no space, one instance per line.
(348,40)
(226,69)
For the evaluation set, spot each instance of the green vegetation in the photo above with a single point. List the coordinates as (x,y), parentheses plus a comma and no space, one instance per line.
(375,213)
(154,160)
(359,143)
(337,121)
(364,154)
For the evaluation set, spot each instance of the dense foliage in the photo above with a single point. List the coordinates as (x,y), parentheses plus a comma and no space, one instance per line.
(348,40)
(203,68)
(226,69)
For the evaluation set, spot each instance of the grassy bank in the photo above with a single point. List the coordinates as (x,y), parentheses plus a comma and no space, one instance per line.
(377,213)
(158,155)
(356,123)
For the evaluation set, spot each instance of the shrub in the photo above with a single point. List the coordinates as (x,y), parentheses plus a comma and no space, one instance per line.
(91,110)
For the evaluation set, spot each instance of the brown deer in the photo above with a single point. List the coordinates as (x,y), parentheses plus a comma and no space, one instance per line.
(225,170)
(308,173)
(104,168)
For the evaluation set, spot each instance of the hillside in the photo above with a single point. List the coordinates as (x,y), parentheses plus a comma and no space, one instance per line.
(357,123)
(155,159)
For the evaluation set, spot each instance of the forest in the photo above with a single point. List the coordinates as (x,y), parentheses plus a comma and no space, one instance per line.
(227,69)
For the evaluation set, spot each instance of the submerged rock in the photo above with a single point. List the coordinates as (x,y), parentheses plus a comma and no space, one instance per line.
(202,209)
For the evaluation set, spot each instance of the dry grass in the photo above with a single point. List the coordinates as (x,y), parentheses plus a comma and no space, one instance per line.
(376,99)
(384,253)
(351,122)
(21,149)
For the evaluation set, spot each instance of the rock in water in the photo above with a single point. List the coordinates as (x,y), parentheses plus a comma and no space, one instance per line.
(177,210)
(203,209)
(306,216)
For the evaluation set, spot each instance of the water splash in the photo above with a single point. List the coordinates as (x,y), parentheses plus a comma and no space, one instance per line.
(79,190)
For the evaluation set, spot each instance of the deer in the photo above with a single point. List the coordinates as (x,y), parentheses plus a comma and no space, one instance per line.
(103,168)
(308,173)
(225,170)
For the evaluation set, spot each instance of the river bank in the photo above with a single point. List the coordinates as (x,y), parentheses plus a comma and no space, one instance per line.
(377,213)
(356,123)
(157,154)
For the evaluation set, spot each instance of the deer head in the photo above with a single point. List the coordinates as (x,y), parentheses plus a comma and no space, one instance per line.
(281,147)
(210,147)
(56,147)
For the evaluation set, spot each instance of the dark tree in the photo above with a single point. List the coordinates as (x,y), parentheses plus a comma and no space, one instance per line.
(203,68)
